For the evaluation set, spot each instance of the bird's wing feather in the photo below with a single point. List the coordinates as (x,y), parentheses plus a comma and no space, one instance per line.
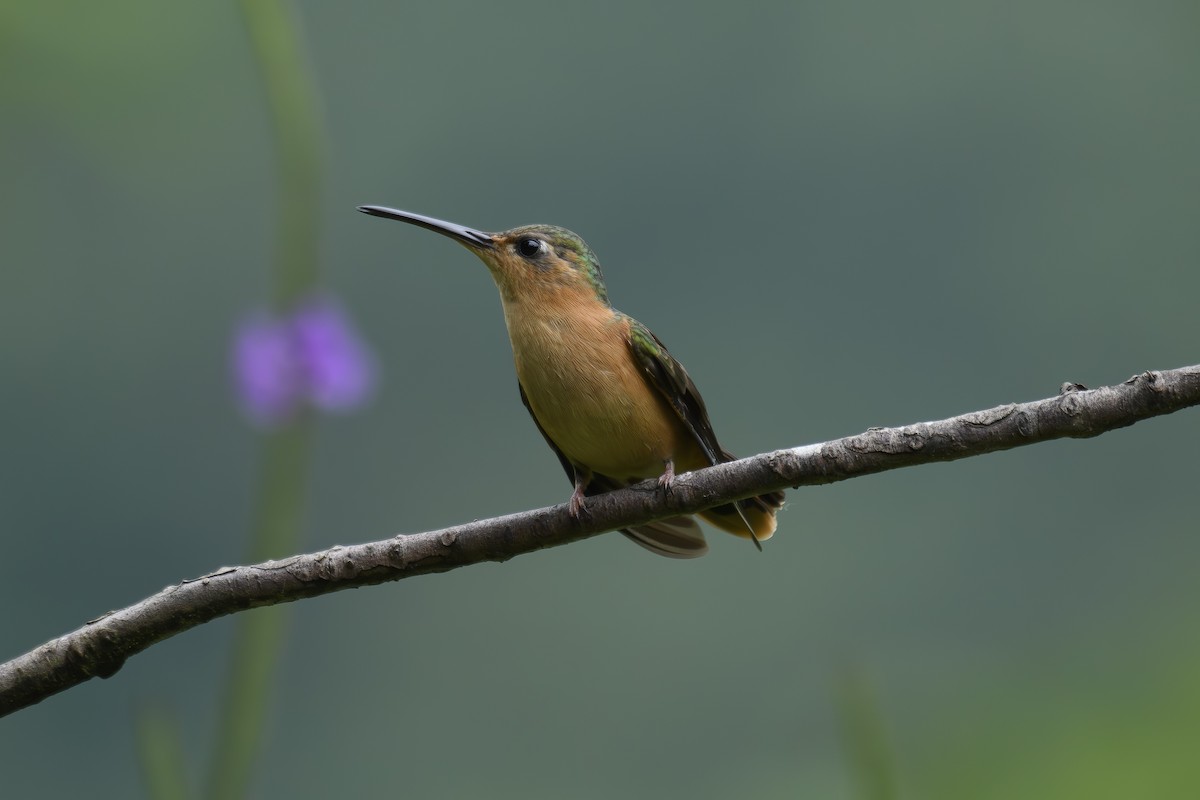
(756,515)
(671,380)
(676,537)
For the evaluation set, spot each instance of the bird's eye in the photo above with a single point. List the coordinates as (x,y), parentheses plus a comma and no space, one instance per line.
(529,247)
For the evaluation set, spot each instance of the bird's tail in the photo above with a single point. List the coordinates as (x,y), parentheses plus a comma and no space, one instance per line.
(755,514)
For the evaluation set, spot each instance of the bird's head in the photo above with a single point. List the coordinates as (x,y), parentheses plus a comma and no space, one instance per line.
(527,261)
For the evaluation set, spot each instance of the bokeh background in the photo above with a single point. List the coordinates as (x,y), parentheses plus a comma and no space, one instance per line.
(837,215)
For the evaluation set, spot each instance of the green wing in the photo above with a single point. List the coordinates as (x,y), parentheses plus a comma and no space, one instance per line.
(672,381)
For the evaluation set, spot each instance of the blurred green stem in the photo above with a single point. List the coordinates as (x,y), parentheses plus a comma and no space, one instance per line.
(258,641)
(282,481)
(864,738)
(161,755)
(299,143)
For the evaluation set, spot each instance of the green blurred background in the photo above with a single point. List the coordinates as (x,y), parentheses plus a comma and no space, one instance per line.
(837,216)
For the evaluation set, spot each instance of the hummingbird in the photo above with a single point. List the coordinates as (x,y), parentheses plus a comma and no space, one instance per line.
(612,403)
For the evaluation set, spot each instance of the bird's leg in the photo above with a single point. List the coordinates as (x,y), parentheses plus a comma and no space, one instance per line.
(667,478)
(583,476)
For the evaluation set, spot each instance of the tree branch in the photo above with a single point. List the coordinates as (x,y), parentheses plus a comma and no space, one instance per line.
(101,646)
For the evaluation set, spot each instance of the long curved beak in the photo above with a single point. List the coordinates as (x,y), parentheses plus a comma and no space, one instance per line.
(468,236)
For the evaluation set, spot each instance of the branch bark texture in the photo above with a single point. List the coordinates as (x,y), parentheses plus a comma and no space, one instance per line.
(101,646)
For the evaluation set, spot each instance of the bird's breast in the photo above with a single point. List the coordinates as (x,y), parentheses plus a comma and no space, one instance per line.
(589,396)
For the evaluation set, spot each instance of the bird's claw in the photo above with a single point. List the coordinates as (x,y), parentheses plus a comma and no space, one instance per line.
(668,477)
(575,506)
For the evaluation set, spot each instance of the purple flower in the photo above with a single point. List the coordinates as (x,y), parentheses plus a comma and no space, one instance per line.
(312,356)
(265,370)
(340,372)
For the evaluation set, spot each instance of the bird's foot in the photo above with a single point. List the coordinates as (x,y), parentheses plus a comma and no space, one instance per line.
(668,477)
(575,505)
